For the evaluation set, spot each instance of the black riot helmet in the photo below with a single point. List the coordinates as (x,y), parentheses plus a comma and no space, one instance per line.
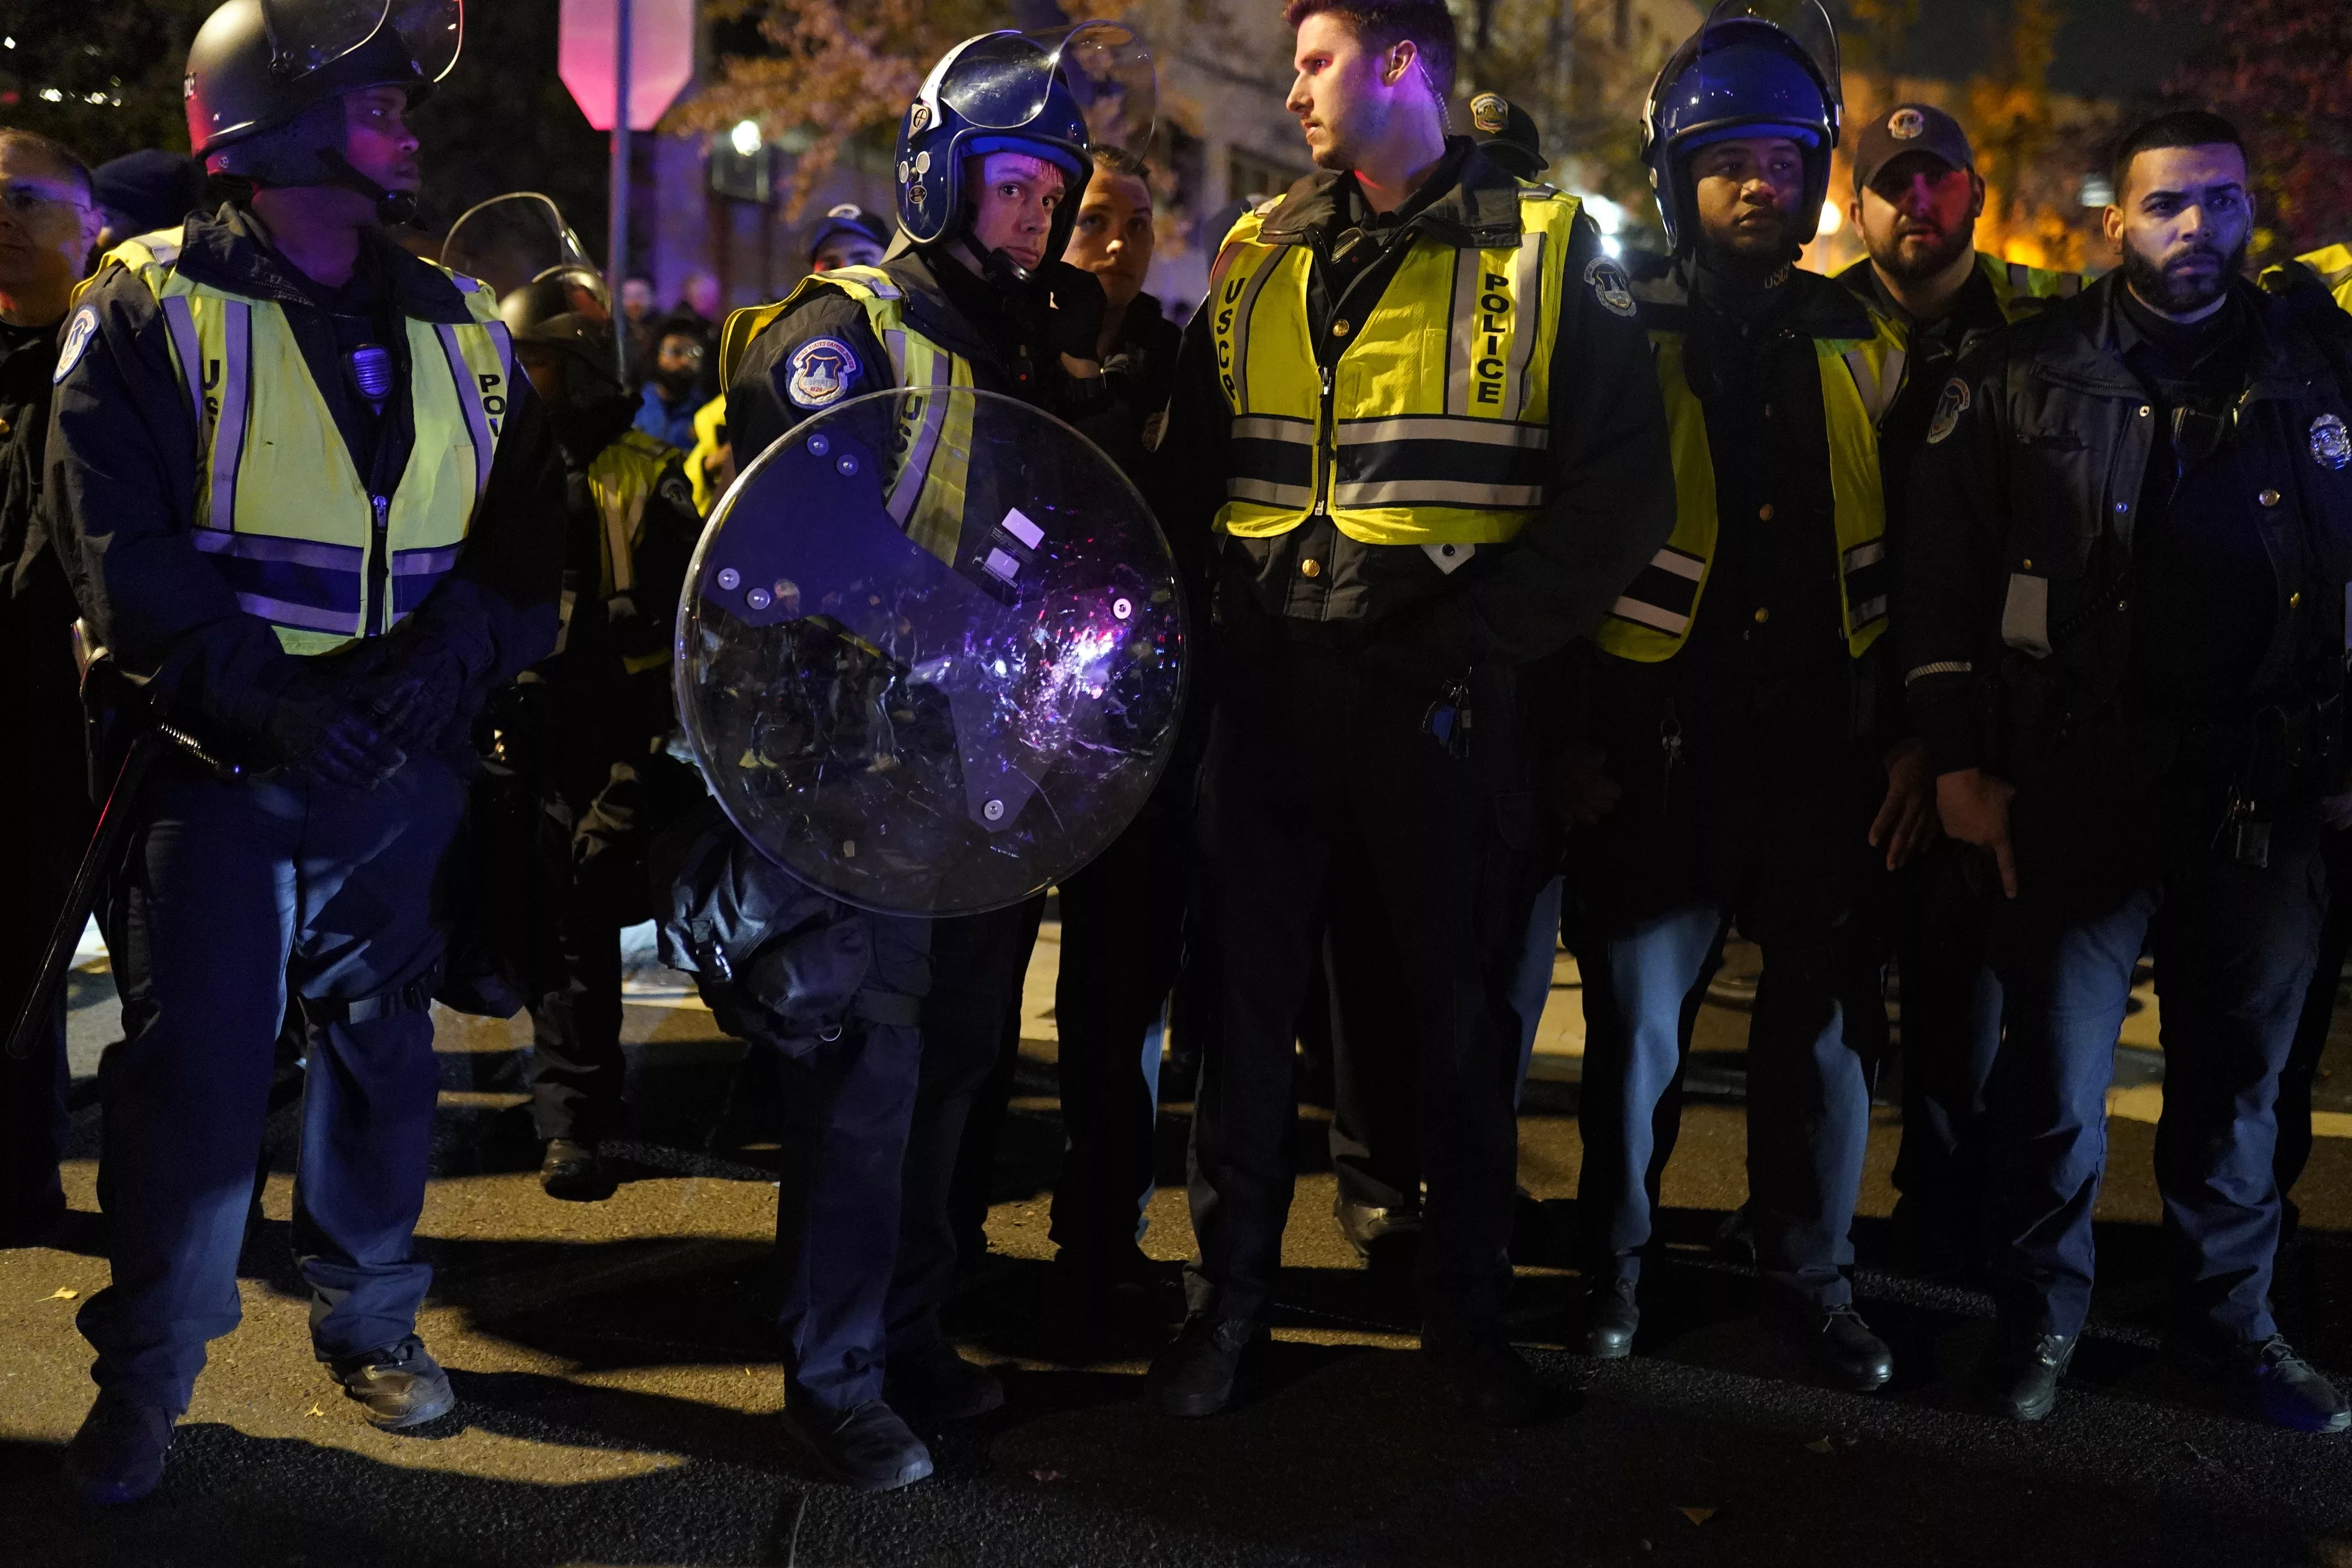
(1055,95)
(266,81)
(549,292)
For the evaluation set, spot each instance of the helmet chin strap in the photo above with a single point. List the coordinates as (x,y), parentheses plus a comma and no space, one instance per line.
(390,206)
(996,266)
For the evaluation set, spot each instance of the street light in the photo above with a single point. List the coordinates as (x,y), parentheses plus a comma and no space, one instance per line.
(745,138)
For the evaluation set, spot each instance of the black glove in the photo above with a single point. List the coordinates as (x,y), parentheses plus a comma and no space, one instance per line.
(417,696)
(1074,323)
(321,729)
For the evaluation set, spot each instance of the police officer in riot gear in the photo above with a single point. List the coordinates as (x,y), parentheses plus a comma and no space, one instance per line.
(991,157)
(581,732)
(1399,534)
(2124,637)
(1917,197)
(311,515)
(1731,699)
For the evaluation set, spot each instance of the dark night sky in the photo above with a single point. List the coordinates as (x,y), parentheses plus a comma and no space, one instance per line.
(2108,48)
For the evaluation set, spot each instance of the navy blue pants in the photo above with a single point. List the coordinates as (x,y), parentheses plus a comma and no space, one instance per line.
(232,897)
(1951,1031)
(1779,849)
(2235,945)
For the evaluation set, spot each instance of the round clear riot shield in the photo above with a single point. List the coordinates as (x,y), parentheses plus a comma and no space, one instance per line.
(512,241)
(308,34)
(931,652)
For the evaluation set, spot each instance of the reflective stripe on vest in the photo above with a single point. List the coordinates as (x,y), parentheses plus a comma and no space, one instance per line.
(1438,407)
(1652,620)
(925,495)
(281,510)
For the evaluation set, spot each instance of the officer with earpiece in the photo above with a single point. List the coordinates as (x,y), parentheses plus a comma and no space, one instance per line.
(992,156)
(1733,698)
(580,733)
(315,517)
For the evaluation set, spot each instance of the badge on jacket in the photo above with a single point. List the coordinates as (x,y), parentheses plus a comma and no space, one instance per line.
(1948,409)
(2331,446)
(1610,285)
(822,370)
(85,327)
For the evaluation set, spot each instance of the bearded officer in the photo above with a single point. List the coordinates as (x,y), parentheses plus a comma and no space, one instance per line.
(1421,420)
(2123,606)
(1916,199)
(306,507)
(992,155)
(1732,699)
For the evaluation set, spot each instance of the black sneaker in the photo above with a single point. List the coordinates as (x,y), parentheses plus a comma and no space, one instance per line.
(1612,1317)
(118,1454)
(1198,1373)
(2021,1376)
(572,1173)
(938,1384)
(2279,1385)
(1841,1347)
(398,1387)
(868,1447)
(1490,1381)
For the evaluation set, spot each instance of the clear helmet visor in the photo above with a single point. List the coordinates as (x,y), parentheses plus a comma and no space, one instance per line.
(931,654)
(512,241)
(1000,82)
(1802,23)
(310,35)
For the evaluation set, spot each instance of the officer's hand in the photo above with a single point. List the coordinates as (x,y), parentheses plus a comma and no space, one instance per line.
(317,730)
(1074,323)
(1974,805)
(417,696)
(1581,789)
(1907,818)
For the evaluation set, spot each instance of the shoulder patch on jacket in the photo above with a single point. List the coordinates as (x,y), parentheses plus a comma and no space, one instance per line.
(1948,409)
(1610,285)
(84,327)
(819,373)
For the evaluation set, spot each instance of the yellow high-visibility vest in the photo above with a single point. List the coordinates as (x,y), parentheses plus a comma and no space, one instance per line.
(1859,378)
(1434,426)
(925,492)
(2334,265)
(709,422)
(281,511)
(620,480)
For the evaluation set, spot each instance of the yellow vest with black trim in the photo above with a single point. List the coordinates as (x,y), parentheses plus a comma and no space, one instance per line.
(2334,265)
(1859,378)
(280,509)
(926,492)
(1434,426)
(621,480)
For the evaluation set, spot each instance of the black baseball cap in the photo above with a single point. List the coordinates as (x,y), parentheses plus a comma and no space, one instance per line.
(1909,128)
(1508,135)
(847,219)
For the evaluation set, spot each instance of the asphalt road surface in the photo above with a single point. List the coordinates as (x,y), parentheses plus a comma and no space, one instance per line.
(619,1383)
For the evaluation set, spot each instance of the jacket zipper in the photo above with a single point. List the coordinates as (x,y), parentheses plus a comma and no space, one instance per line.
(380,567)
(1327,453)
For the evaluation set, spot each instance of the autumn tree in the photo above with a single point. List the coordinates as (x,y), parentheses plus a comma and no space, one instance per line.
(102,78)
(2282,70)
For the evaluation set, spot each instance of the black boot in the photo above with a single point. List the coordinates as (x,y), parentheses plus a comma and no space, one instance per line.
(2273,1380)
(1210,1358)
(1840,1346)
(1491,1381)
(573,1172)
(118,1454)
(938,1384)
(868,1447)
(1612,1316)
(1388,1240)
(2022,1374)
(398,1387)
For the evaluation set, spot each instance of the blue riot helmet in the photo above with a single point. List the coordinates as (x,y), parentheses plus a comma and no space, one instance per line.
(266,80)
(1055,95)
(1755,67)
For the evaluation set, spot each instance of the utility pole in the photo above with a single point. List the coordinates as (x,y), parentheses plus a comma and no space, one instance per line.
(617,242)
